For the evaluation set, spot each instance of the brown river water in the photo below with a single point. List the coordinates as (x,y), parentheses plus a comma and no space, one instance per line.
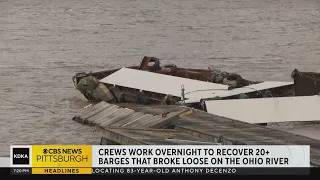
(43,43)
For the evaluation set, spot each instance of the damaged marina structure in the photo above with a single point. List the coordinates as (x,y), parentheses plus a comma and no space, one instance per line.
(154,104)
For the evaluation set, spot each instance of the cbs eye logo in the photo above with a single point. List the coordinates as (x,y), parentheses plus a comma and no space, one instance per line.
(20,156)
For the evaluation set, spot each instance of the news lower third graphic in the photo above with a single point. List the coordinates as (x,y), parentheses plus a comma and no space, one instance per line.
(155,159)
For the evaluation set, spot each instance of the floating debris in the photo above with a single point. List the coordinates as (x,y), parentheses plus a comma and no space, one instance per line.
(168,84)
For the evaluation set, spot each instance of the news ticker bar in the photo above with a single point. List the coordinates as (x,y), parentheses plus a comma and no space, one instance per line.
(159,156)
(163,171)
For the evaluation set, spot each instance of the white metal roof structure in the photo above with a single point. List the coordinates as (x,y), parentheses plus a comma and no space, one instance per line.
(267,110)
(159,83)
(196,97)
(253,87)
(310,130)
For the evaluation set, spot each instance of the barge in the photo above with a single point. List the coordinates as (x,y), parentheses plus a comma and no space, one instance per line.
(153,83)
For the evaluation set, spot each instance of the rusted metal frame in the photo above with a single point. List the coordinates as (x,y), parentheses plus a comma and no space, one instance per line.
(273,92)
(291,122)
(274,123)
(282,91)
(151,95)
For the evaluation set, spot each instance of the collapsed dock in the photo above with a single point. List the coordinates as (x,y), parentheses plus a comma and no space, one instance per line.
(132,124)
